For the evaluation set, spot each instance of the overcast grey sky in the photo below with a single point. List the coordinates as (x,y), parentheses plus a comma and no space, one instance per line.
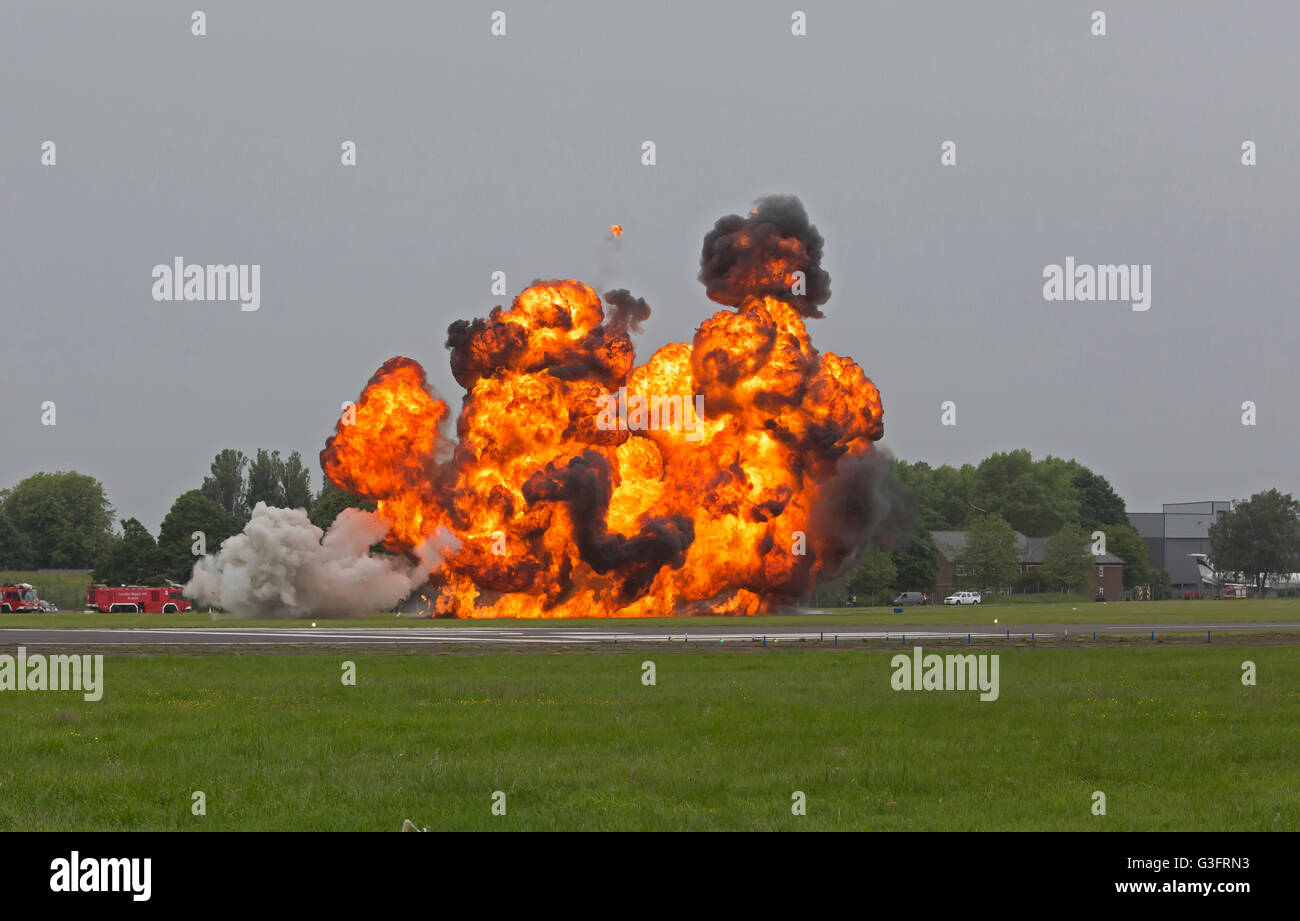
(478,153)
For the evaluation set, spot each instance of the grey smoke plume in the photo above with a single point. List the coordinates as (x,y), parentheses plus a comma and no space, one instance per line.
(624,312)
(282,565)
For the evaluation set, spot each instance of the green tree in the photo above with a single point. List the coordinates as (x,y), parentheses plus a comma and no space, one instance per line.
(331,500)
(1259,537)
(64,518)
(916,563)
(265,480)
(918,478)
(1099,504)
(225,486)
(874,574)
(15,551)
(943,493)
(1124,542)
(131,559)
(192,511)
(1161,584)
(1068,561)
(991,556)
(295,483)
(952,505)
(1035,498)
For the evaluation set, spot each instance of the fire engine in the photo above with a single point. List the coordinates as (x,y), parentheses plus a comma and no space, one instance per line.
(18,596)
(135,599)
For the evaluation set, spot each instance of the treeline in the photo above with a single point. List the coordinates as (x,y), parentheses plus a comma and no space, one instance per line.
(1006,492)
(1035,497)
(1258,541)
(64,520)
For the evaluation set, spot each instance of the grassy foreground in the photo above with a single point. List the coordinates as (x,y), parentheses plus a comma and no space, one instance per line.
(1274,610)
(277,742)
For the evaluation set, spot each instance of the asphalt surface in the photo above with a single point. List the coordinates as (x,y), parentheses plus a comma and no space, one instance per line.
(331,636)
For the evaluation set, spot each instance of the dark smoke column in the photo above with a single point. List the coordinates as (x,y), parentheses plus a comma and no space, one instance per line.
(758,254)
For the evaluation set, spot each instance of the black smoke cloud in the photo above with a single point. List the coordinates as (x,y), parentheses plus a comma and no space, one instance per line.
(624,312)
(853,506)
(738,254)
(584,485)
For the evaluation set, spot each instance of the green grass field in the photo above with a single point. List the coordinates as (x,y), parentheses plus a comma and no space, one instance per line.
(1272,610)
(1169,734)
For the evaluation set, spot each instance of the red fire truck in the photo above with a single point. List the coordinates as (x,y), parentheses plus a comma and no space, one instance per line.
(18,596)
(135,599)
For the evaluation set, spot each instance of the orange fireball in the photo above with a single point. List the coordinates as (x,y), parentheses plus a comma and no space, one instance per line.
(725,475)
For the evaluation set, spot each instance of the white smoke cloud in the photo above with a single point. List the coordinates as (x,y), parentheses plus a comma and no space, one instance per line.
(282,565)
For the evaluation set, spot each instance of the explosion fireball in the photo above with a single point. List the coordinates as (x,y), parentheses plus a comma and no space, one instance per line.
(556,512)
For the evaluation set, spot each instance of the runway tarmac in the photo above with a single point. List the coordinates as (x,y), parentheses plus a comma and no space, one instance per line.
(235,637)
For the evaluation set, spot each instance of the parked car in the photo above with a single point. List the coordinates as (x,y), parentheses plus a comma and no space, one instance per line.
(963,598)
(907,598)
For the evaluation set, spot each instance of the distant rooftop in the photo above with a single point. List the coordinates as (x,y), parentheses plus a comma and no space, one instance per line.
(1033,550)
(1179,520)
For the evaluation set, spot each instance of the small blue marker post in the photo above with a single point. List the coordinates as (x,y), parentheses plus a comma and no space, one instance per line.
(1153,636)
(1031,637)
(967,639)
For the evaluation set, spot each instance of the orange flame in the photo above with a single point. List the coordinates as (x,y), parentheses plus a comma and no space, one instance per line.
(566,507)
(616,230)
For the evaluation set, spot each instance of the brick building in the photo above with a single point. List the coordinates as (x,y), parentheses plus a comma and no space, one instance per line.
(1106,573)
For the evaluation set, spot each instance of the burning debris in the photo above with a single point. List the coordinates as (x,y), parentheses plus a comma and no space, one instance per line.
(280,566)
(616,230)
(557,515)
